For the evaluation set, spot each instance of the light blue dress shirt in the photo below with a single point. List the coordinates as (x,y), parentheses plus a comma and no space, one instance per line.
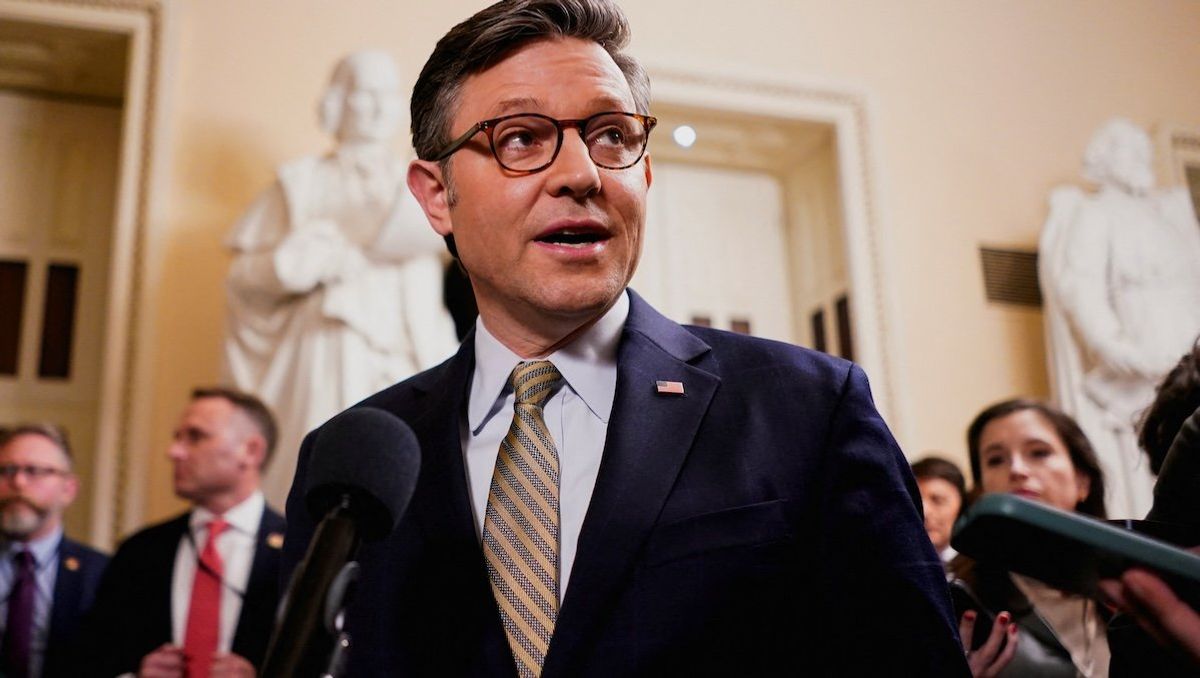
(577,415)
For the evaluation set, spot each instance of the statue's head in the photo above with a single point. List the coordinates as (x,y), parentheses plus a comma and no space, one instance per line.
(363,102)
(1120,154)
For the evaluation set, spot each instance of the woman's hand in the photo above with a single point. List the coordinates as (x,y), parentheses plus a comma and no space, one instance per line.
(996,652)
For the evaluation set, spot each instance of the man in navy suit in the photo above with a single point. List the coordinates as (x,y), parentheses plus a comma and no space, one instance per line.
(53,578)
(152,615)
(604,492)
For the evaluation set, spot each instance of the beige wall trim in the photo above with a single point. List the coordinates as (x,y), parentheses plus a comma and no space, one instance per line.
(876,331)
(125,393)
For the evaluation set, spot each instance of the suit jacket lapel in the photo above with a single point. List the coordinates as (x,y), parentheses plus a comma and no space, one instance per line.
(261,587)
(68,589)
(164,574)
(442,501)
(442,507)
(649,436)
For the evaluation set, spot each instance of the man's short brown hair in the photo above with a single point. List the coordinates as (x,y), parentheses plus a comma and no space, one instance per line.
(492,34)
(53,433)
(257,411)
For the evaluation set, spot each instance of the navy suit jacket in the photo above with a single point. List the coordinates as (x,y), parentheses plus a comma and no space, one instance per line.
(132,614)
(79,570)
(764,523)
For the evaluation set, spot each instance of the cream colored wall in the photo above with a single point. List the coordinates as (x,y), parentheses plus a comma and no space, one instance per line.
(978,109)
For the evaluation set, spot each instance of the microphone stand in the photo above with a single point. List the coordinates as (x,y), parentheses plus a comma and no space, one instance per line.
(308,638)
(340,592)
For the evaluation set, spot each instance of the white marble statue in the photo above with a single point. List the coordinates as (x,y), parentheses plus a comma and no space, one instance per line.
(1120,274)
(335,291)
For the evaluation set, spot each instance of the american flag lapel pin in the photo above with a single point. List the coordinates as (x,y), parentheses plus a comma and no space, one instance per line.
(669,387)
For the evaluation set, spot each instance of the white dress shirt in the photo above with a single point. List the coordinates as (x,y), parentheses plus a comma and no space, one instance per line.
(947,554)
(236,545)
(577,415)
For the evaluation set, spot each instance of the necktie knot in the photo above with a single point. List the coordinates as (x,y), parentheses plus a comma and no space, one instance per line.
(216,526)
(533,380)
(23,560)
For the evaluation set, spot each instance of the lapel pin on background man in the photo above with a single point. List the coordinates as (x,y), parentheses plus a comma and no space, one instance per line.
(604,492)
(196,595)
(47,582)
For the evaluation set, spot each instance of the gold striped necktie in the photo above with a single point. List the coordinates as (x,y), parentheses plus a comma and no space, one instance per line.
(520,527)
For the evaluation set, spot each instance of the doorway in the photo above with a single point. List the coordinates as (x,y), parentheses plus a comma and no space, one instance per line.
(744,230)
(818,141)
(61,100)
(109,56)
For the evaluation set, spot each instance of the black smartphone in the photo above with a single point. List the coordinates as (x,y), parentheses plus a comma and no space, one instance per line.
(984,621)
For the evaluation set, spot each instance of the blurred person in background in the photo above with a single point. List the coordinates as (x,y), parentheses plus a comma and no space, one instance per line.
(196,595)
(1030,449)
(943,493)
(47,582)
(944,496)
(1160,634)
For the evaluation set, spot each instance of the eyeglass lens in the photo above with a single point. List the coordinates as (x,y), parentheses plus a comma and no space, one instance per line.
(524,143)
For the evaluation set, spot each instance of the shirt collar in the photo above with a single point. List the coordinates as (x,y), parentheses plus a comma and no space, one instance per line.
(43,549)
(588,366)
(243,517)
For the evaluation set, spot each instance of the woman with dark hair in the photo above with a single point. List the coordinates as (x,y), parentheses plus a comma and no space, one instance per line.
(1023,415)
(1033,450)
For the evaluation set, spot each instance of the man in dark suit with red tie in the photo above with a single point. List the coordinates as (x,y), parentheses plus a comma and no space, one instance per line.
(47,581)
(604,492)
(196,595)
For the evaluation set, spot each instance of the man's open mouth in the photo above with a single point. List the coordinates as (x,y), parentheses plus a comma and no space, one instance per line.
(574,237)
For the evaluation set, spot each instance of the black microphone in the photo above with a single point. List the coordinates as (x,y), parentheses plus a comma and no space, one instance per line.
(361,476)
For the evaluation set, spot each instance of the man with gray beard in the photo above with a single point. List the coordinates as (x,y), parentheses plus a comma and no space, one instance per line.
(47,582)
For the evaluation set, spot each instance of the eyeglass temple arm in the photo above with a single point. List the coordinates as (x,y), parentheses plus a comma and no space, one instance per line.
(458,143)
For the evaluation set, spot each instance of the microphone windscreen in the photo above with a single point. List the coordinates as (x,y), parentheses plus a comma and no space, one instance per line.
(370,455)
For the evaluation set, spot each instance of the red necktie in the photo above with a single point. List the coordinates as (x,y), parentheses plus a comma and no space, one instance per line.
(204,612)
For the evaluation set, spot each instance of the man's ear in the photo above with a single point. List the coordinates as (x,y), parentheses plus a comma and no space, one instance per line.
(70,489)
(256,450)
(429,187)
(648,170)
